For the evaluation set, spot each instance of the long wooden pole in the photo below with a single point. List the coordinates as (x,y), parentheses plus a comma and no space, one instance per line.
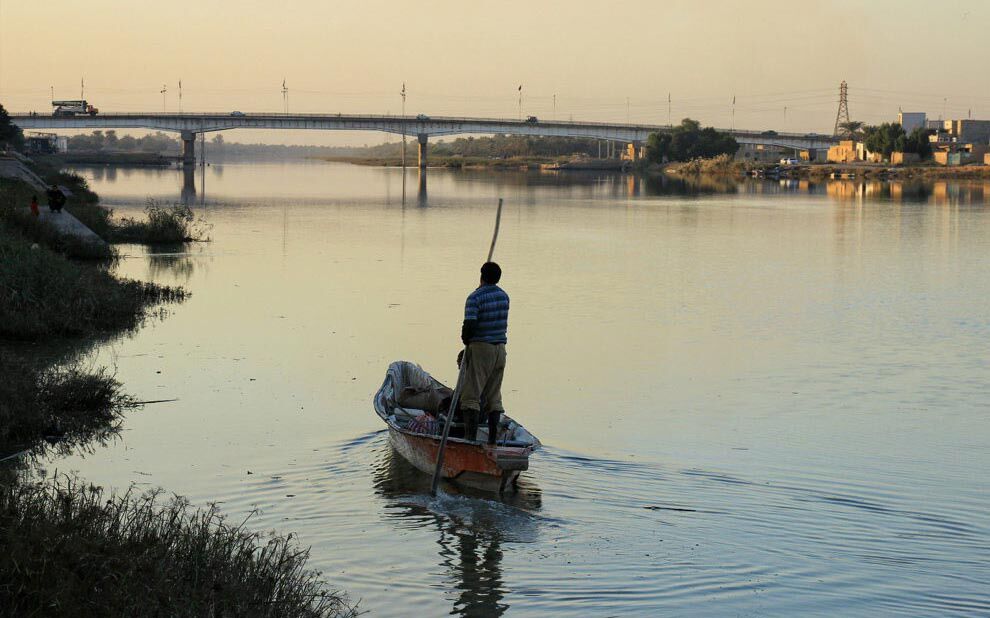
(455,398)
(498,219)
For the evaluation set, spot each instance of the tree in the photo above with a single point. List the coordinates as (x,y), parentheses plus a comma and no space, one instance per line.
(689,141)
(657,147)
(217,141)
(884,139)
(11,135)
(852,129)
(918,142)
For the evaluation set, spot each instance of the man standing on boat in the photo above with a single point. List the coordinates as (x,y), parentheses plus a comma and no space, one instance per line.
(486,319)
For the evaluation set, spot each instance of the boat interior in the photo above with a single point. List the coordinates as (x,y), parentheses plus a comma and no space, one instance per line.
(413,401)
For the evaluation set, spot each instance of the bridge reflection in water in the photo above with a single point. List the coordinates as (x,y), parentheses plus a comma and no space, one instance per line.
(617,184)
(189,196)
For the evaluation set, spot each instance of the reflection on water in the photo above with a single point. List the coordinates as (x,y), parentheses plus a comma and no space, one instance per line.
(470,525)
(469,548)
(172,261)
(602,184)
(757,397)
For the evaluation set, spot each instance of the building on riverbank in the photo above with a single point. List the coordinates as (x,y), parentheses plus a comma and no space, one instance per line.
(969,130)
(960,132)
(844,152)
(45,143)
(760,153)
(963,154)
(910,121)
(850,151)
(904,158)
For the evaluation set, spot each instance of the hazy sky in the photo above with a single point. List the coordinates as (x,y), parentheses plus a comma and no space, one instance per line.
(469,58)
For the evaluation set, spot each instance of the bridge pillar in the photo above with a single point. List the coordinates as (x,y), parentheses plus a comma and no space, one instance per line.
(188,148)
(422,150)
(421,193)
(632,151)
(188,195)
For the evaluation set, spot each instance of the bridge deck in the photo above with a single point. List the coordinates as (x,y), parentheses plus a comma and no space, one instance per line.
(408,125)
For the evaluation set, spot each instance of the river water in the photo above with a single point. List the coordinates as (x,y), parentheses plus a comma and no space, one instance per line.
(756,399)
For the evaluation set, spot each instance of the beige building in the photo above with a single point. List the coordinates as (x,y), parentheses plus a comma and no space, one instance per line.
(963,155)
(844,152)
(865,155)
(904,158)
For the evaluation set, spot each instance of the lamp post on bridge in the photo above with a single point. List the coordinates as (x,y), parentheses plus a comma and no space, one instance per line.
(163,91)
(403,94)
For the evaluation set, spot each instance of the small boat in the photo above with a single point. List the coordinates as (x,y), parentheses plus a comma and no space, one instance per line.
(415,432)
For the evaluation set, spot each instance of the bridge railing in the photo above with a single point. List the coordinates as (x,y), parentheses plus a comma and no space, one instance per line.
(214,116)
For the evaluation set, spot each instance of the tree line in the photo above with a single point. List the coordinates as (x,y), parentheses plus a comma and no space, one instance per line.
(100,140)
(891,137)
(689,141)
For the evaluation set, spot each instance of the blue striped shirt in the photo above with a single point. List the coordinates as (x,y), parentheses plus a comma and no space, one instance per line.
(489,305)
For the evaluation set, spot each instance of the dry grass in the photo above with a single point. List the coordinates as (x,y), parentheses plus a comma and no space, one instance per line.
(67,549)
(722,164)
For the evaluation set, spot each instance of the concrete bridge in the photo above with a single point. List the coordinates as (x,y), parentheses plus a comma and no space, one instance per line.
(422,127)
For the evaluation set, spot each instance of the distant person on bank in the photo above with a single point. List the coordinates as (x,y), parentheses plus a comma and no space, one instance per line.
(34,205)
(56,199)
(486,319)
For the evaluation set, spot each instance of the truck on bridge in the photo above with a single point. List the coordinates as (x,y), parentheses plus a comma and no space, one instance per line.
(71,108)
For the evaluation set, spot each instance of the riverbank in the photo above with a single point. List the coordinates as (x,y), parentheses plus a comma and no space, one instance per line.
(821,171)
(57,291)
(66,548)
(910,172)
(72,550)
(121,159)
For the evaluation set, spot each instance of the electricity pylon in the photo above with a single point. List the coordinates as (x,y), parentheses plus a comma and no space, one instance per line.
(842,117)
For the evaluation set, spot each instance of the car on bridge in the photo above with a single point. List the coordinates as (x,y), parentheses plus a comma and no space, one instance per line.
(237,114)
(422,117)
(532,120)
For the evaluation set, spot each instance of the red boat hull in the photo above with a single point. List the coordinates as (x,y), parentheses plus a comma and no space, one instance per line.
(477,465)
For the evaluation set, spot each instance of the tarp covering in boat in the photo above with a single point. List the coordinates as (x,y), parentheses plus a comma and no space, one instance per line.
(414,401)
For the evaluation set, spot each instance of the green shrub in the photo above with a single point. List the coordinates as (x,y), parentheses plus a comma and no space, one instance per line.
(44,295)
(165,224)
